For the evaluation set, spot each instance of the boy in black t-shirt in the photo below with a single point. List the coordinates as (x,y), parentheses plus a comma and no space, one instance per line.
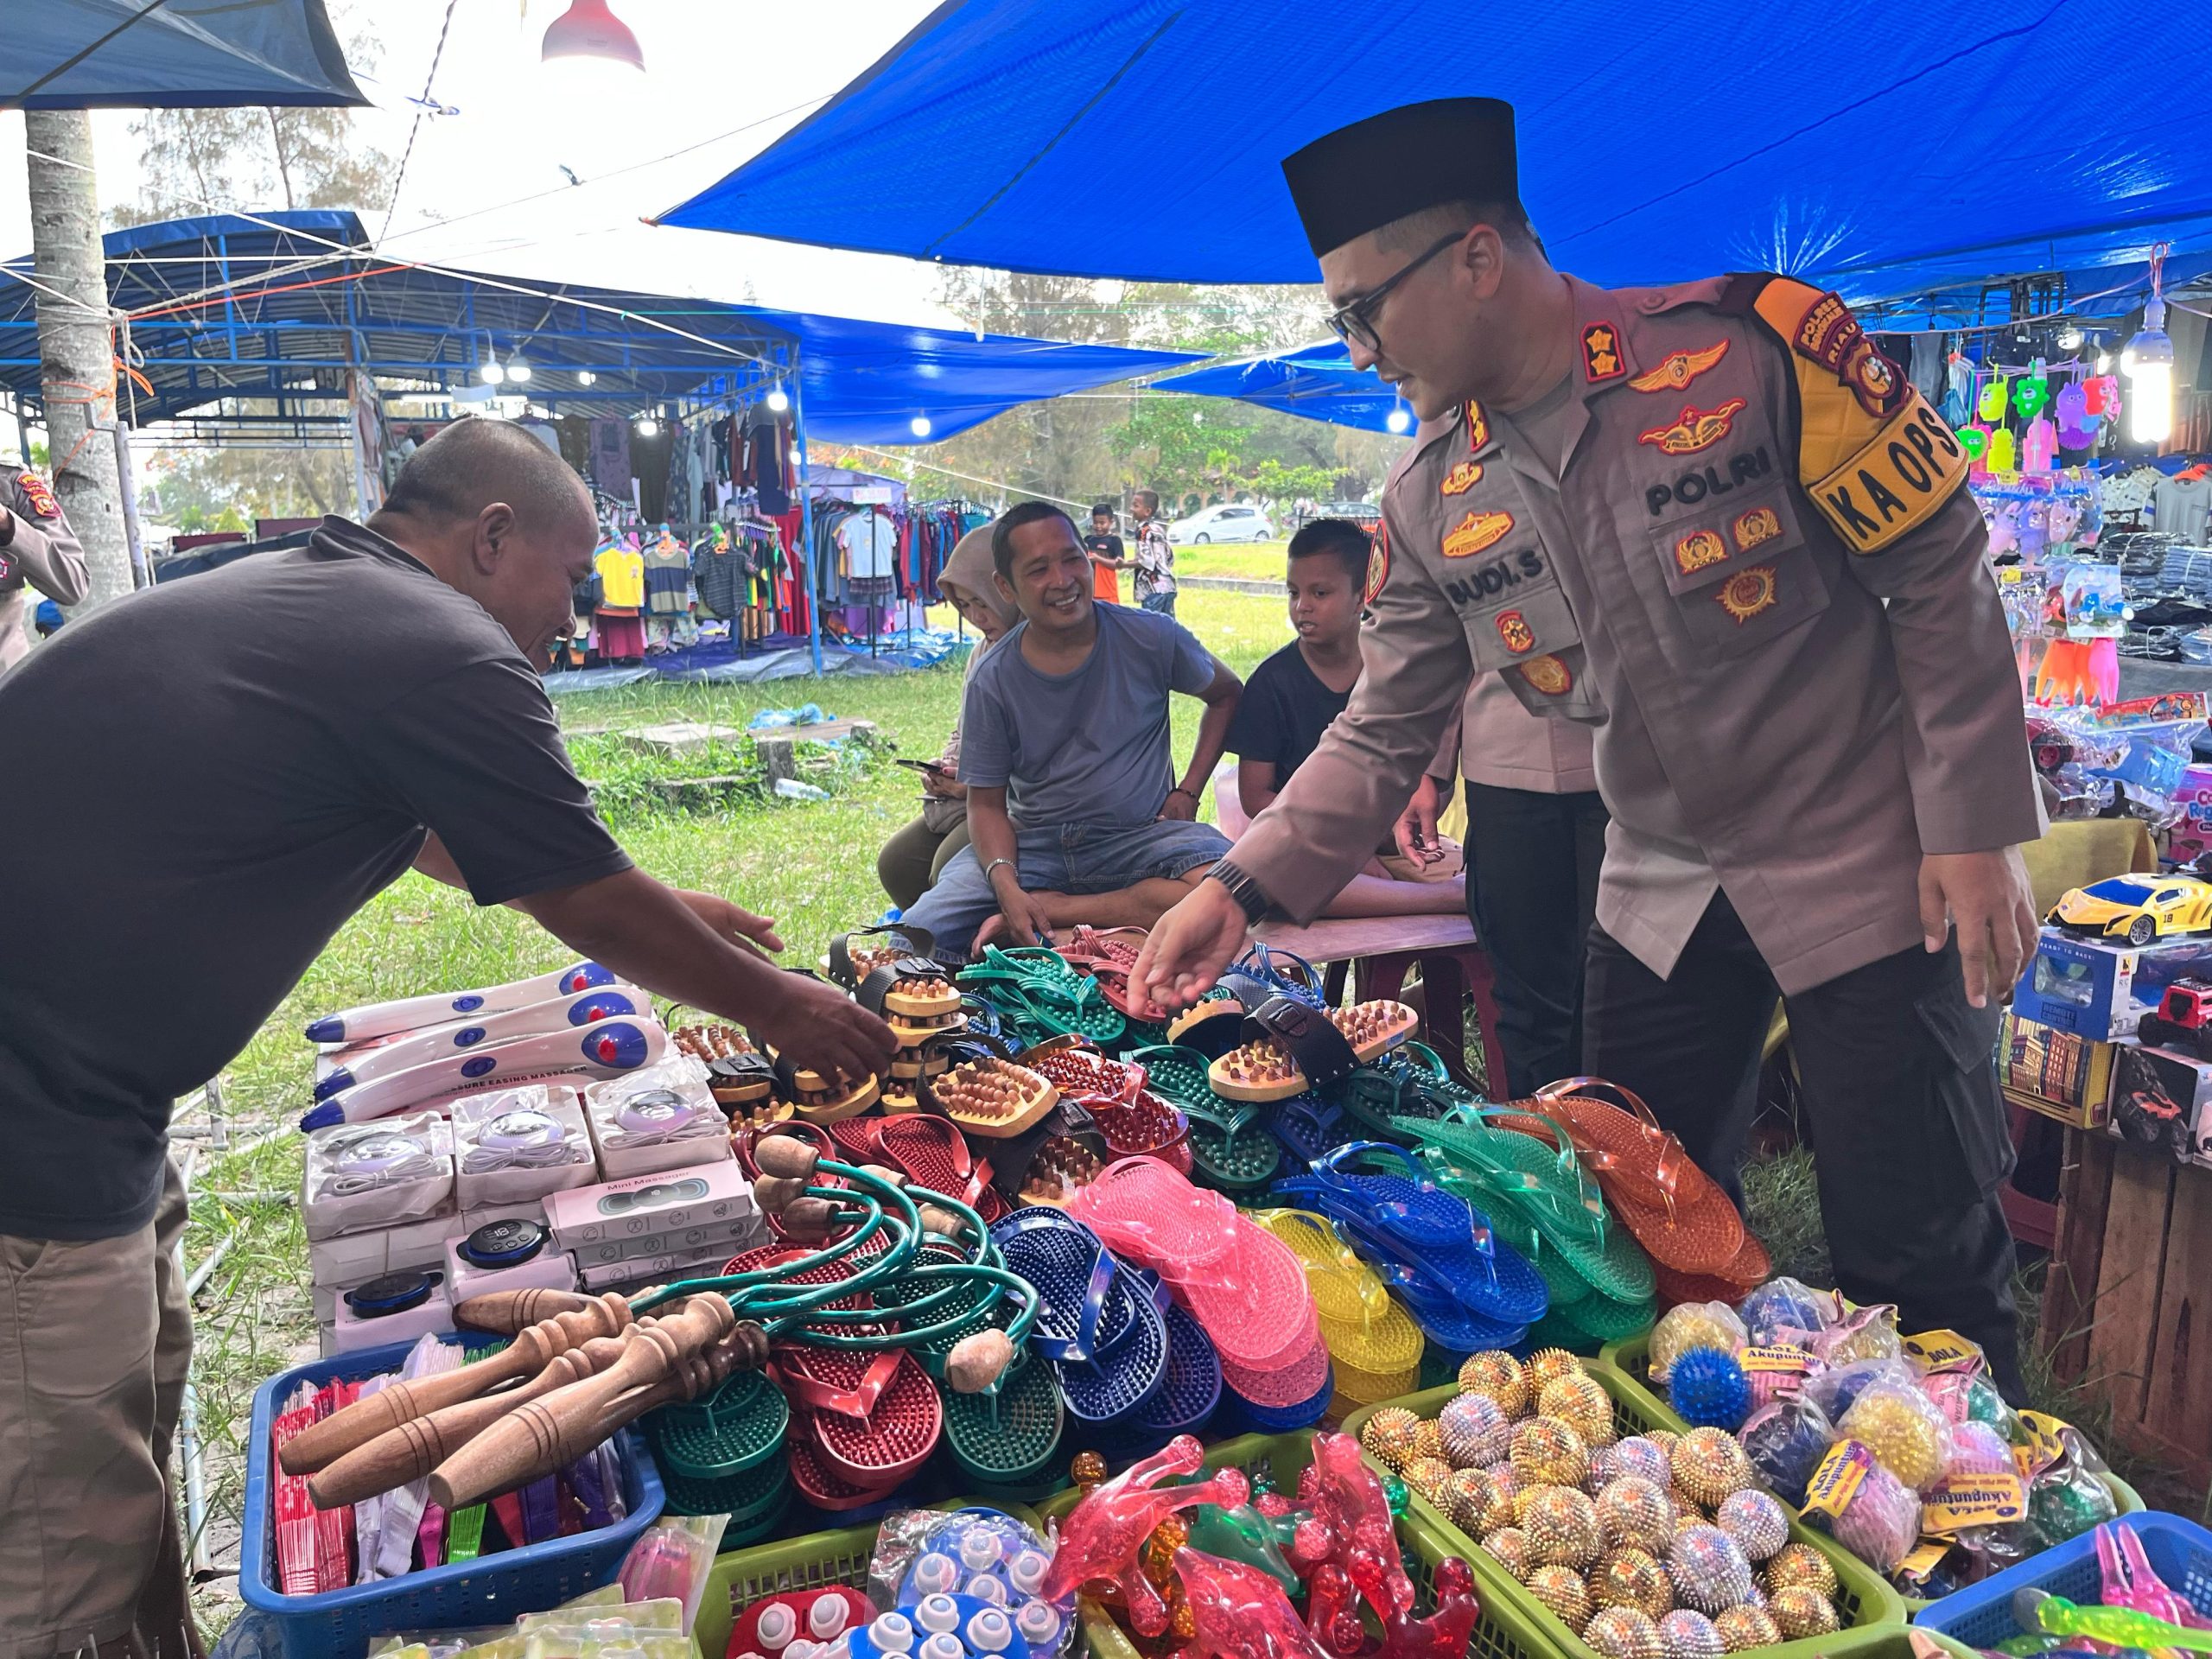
(1292,697)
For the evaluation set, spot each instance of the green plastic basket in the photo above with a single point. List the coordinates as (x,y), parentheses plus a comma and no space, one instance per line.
(1503,1630)
(1873,1614)
(740,1577)
(1632,1358)
(738,1427)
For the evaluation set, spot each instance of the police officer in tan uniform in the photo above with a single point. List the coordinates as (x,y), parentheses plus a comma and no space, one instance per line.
(1714,523)
(37,549)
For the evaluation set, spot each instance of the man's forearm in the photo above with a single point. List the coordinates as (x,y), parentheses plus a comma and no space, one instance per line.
(646,933)
(1213,738)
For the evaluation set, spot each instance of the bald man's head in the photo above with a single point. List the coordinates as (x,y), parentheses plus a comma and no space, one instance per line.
(500,517)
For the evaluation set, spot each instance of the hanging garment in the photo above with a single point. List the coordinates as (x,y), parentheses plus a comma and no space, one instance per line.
(610,457)
(668,577)
(621,578)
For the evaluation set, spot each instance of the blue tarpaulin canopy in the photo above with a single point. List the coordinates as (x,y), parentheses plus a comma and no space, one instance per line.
(276,307)
(1317,382)
(75,55)
(1886,148)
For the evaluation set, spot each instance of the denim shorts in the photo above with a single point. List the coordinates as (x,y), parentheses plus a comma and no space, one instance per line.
(1073,858)
(1163,603)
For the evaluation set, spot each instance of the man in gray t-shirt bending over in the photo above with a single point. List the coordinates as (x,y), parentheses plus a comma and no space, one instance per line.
(1063,747)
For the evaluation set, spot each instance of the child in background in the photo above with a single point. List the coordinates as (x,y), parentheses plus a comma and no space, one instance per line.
(1292,697)
(1106,551)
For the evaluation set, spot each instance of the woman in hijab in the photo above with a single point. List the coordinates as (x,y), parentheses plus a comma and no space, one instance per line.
(909,864)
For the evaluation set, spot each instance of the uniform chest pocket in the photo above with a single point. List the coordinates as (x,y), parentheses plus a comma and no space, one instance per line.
(1533,640)
(1739,575)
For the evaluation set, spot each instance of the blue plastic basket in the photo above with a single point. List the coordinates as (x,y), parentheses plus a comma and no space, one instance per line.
(490,1590)
(1981,1616)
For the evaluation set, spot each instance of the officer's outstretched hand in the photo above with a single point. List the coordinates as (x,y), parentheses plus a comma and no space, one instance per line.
(1189,946)
(1986,897)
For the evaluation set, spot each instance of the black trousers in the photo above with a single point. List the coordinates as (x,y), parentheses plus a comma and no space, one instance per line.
(1898,1082)
(1532,895)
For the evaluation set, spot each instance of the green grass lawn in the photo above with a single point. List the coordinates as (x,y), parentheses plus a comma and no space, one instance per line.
(1252,561)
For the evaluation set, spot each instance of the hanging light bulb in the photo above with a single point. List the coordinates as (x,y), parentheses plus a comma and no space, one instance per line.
(518,370)
(1399,420)
(778,399)
(492,374)
(919,426)
(2148,363)
(590,56)
(586,377)
(590,30)
(646,427)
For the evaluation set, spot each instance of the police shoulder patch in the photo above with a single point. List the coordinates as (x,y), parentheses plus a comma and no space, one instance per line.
(1378,563)
(38,496)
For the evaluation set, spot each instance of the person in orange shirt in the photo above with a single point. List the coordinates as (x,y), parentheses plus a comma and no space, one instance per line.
(1107,560)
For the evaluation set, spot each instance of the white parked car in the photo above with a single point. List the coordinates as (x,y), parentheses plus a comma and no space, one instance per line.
(1234,522)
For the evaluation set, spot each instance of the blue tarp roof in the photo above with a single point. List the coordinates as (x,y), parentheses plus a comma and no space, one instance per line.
(185,52)
(1317,382)
(275,308)
(1886,148)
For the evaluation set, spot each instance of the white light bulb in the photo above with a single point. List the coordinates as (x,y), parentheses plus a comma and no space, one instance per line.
(586,377)
(778,399)
(2148,363)
(518,371)
(1398,420)
(492,374)
(647,427)
(919,426)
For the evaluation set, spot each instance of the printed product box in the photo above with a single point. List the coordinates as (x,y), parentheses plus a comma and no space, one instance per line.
(2158,1101)
(2100,991)
(2055,1072)
(640,1205)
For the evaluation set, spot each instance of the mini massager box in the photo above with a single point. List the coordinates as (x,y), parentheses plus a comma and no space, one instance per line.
(642,1205)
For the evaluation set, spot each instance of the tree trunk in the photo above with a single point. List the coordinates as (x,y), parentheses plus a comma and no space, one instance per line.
(75,344)
(283,166)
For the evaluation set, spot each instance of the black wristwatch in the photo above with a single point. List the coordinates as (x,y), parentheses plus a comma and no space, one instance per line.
(1249,895)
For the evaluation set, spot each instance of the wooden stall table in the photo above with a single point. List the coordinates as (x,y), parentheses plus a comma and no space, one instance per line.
(2129,1295)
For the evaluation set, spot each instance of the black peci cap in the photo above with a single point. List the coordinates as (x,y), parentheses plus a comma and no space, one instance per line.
(1377,171)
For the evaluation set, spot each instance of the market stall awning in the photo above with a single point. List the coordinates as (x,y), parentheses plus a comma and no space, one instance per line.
(277,308)
(1885,147)
(76,54)
(1316,382)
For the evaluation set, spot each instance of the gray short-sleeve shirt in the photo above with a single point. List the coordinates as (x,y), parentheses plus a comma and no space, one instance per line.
(1089,745)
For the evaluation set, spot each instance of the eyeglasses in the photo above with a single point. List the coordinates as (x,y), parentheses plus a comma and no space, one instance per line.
(1356,321)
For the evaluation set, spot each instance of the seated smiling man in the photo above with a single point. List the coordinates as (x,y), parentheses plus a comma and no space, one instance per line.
(1063,747)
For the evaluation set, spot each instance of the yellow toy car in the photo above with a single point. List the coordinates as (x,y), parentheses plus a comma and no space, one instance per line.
(2136,908)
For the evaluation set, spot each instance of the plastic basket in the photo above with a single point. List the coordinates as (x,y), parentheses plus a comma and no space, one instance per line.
(490,1590)
(1632,1359)
(1502,1630)
(1981,1616)
(740,1577)
(1872,1612)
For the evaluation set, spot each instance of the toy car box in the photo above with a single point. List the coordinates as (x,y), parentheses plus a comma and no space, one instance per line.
(2055,1072)
(2099,990)
(2159,1101)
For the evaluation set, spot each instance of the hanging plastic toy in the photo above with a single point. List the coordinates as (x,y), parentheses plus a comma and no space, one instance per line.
(1974,440)
(1994,395)
(2040,447)
(2077,427)
(2031,391)
(2003,451)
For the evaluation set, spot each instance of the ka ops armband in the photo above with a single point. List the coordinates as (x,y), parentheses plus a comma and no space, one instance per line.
(1875,459)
